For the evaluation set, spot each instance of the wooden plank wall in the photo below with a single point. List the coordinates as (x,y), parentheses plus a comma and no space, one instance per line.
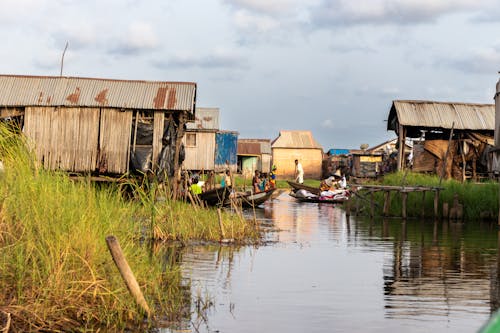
(63,138)
(114,141)
(201,157)
(158,127)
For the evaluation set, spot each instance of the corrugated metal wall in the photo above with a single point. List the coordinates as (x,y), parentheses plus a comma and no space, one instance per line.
(202,156)
(226,150)
(311,160)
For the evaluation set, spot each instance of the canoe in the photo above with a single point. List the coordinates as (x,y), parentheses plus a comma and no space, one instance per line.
(215,197)
(250,199)
(342,197)
(296,186)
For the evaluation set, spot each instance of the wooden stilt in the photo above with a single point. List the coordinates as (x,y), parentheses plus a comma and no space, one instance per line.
(387,202)
(423,203)
(404,198)
(436,203)
(372,204)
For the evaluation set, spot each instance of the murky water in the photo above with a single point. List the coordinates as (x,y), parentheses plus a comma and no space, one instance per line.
(328,273)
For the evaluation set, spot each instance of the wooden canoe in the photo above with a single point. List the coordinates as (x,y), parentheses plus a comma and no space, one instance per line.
(318,199)
(296,186)
(215,197)
(250,199)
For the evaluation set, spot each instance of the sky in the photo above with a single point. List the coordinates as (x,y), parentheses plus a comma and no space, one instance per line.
(332,67)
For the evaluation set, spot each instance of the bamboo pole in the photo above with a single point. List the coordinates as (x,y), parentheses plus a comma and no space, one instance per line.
(221,226)
(126,273)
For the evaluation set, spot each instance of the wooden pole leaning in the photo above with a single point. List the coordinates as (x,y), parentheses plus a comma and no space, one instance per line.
(126,273)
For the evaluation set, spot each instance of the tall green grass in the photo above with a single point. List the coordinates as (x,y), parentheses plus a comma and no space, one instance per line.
(56,271)
(480,200)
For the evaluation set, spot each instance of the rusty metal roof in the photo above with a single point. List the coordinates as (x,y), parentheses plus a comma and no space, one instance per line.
(463,116)
(17,90)
(254,146)
(205,119)
(295,139)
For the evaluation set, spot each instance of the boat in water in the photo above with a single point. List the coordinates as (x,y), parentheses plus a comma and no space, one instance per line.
(251,199)
(337,196)
(215,197)
(297,186)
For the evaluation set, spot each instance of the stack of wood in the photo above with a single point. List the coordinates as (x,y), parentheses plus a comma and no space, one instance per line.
(461,160)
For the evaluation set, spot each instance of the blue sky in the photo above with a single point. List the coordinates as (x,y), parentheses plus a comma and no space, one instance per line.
(328,66)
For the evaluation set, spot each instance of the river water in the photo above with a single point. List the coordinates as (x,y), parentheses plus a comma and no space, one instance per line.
(321,271)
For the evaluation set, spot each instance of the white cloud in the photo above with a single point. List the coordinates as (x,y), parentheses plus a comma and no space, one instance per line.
(215,59)
(140,37)
(327,123)
(248,21)
(275,7)
(352,12)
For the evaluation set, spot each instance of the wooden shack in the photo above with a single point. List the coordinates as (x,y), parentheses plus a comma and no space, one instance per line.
(366,164)
(300,145)
(101,126)
(254,154)
(453,138)
(207,147)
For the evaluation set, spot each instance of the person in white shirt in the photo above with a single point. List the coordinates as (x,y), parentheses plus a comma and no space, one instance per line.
(299,172)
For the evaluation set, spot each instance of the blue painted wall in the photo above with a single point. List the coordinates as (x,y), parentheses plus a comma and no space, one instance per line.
(226,149)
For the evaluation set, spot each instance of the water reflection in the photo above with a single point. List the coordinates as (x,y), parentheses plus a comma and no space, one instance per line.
(325,272)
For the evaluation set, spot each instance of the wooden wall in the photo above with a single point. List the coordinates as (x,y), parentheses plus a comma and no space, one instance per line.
(80,139)
(310,159)
(201,156)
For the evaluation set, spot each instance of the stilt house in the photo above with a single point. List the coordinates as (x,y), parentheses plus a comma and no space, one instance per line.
(100,126)
(207,147)
(453,138)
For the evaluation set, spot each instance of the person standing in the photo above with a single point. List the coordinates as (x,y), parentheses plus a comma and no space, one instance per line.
(256,182)
(272,177)
(299,172)
(226,179)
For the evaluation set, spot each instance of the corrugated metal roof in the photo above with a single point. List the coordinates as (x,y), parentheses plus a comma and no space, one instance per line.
(295,139)
(254,146)
(464,116)
(16,90)
(205,119)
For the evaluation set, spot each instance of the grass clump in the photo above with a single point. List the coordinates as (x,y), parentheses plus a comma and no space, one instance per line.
(56,271)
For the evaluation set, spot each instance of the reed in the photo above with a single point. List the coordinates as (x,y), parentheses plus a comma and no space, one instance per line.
(57,274)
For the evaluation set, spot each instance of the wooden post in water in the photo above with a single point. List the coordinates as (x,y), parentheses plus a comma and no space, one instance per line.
(404,197)
(347,207)
(126,273)
(372,204)
(423,203)
(436,203)
(387,202)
